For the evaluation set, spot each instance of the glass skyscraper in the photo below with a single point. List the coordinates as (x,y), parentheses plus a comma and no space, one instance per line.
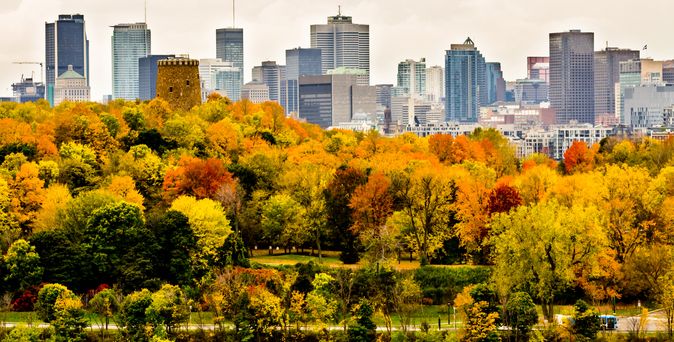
(299,62)
(343,44)
(464,80)
(273,76)
(220,76)
(147,76)
(66,44)
(229,47)
(130,42)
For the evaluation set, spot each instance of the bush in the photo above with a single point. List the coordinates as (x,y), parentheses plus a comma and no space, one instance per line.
(442,284)
(46,299)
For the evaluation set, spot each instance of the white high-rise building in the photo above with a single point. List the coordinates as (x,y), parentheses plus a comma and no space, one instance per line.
(130,42)
(435,84)
(412,76)
(343,44)
(221,77)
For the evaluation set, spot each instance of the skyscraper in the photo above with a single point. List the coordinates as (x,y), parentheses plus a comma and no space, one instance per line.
(299,62)
(464,82)
(273,76)
(222,77)
(147,76)
(130,42)
(572,76)
(343,44)
(495,89)
(435,84)
(229,47)
(538,68)
(606,76)
(66,44)
(411,68)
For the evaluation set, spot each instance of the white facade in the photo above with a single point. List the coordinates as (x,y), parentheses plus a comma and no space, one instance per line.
(435,84)
(220,77)
(71,86)
(255,92)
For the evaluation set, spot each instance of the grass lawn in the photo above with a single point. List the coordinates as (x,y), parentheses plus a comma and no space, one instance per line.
(330,259)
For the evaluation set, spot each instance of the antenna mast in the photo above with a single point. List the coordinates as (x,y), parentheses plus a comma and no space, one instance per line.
(233,13)
(339,10)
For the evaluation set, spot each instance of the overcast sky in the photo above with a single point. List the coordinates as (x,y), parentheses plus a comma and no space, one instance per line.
(503,30)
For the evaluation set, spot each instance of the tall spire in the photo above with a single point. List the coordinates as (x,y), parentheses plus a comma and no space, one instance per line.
(339,10)
(145,17)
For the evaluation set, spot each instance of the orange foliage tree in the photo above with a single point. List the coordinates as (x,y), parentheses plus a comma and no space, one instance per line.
(197,177)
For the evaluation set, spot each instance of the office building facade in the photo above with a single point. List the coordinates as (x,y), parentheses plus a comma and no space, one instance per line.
(130,42)
(464,82)
(572,76)
(299,62)
(229,47)
(538,68)
(412,77)
(607,77)
(221,77)
(343,44)
(147,76)
(435,84)
(273,75)
(71,86)
(495,83)
(531,91)
(66,44)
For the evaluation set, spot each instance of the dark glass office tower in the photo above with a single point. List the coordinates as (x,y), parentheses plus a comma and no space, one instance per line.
(465,84)
(66,44)
(229,47)
(572,76)
(147,76)
(299,62)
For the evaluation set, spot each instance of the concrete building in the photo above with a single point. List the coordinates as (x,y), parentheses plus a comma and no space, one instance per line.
(645,106)
(435,84)
(495,83)
(255,92)
(28,90)
(178,83)
(464,82)
(531,91)
(299,62)
(329,100)
(572,76)
(635,73)
(607,76)
(66,44)
(411,68)
(130,42)
(229,47)
(71,86)
(273,75)
(220,77)
(538,68)
(384,95)
(343,44)
(147,76)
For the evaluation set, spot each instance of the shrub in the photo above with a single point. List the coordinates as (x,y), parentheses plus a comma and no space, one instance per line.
(46,299)
(442,284)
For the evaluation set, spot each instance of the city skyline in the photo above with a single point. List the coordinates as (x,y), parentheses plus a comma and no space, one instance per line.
(394,31)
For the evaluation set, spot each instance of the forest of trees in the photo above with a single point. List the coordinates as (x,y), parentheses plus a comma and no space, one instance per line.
(157,211)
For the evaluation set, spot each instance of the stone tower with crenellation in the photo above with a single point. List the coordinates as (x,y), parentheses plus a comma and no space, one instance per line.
(178,82)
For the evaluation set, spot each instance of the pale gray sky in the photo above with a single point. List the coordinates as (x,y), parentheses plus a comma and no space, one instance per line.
(504,30)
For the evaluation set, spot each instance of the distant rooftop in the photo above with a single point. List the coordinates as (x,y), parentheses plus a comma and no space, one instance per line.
(70,74)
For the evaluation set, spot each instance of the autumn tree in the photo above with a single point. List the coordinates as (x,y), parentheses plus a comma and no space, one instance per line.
(27,195)
(372,204)
(579,157)
(426,198)
(338,195)
(196,177)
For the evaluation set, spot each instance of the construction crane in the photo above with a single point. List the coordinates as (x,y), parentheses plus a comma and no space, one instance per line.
(35,63)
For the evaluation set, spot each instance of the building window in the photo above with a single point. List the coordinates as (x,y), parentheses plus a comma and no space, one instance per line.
(187,82)
(170,89)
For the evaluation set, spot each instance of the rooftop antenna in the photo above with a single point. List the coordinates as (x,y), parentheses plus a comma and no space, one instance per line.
(145,19)
(233,13)
(339,10)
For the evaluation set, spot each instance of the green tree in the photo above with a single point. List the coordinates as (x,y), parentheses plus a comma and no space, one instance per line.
(46,300)
(169,308)
(546,247)
(586,321)
(480,325)
(69,321)
(23,334)
(23,266)
(363,329)
(105,304)
(132,314)
(282,221)
(520,315)
(177,244)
